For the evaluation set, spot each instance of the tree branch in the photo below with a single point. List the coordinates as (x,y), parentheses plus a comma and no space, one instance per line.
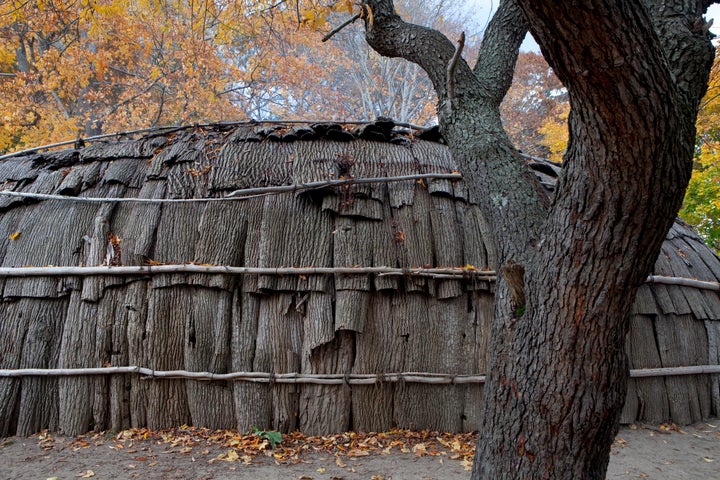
(390,36)
(472,126)
(686,44)
(335,30)
(452,66)
(498,52)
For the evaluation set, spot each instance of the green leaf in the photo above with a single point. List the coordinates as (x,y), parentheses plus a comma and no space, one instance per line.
(275,438)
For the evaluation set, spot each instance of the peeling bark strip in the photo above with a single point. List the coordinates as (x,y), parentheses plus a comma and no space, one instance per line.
(635,72)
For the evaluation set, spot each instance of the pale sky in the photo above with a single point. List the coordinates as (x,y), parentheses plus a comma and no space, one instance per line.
(486,7)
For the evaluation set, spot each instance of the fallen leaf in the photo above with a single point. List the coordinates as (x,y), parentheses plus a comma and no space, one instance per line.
(321,470)
(339,462)
(14,236)
(419,449)
(87,474)
(228,456)
(358,453)
(467,464)
(708,459)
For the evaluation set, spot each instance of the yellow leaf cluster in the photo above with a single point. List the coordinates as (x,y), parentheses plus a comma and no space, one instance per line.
(315,18)
(555,131)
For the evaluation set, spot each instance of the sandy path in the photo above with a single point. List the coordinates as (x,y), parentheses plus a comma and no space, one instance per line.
(646,452)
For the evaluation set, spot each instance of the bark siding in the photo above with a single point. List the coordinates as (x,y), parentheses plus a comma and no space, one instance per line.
(307,324)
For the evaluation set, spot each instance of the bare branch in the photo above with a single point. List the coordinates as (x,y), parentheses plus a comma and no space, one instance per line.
(237,194)
(452,66)
(60,105)
(317,378)
(337,29)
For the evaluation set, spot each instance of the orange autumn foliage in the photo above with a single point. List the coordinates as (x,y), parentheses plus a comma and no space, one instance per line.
(72,68)
(81,67)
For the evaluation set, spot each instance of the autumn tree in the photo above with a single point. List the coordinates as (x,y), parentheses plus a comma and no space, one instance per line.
(635,73)
(71,68)
(702,200)
(80,68)
(531,104)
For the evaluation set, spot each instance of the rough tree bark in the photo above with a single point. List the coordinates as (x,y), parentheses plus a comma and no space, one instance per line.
(635,71)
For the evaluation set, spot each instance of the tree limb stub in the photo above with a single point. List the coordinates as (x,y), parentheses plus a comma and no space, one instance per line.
(514,275)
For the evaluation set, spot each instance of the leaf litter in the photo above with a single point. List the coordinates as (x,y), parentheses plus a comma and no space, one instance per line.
(245,447)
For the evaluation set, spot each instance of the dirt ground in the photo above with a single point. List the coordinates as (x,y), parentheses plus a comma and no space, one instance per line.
(647,452)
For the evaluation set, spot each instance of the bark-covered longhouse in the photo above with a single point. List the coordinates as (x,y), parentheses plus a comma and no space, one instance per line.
(315,323)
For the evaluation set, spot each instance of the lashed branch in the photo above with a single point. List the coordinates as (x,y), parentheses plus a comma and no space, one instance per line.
(439,273)
(238,194)
(317,379)
(458,272)
(254,377)
(684,282)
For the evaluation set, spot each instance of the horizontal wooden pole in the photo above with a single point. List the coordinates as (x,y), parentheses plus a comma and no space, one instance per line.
(684,282)
(238,194)
(340,182)
(440,273)
(318,379)
(450,272)
(253,377)
(675,371)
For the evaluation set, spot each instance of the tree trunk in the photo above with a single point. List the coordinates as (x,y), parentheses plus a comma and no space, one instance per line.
(558,371)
